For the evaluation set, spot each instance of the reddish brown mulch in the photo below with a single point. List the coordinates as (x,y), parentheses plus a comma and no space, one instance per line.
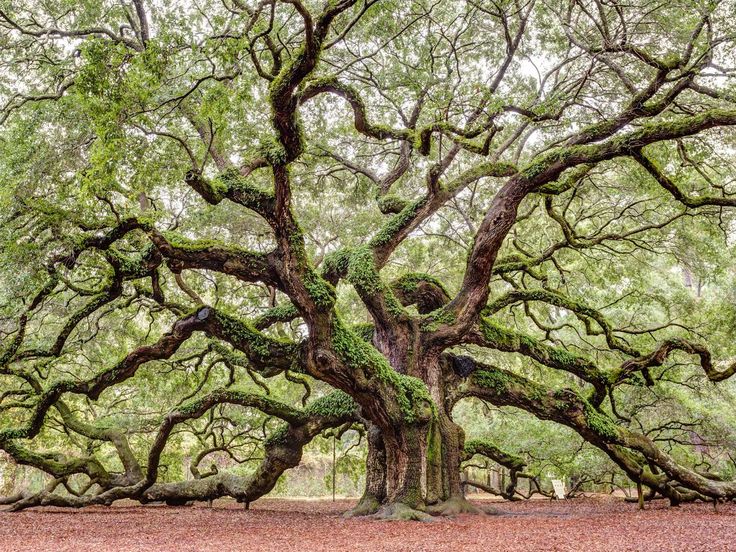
(283,525)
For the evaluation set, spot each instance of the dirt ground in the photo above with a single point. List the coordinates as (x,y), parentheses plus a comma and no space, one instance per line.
(283,525)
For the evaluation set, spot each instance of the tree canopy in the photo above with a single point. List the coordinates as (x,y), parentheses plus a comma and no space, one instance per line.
(230,226)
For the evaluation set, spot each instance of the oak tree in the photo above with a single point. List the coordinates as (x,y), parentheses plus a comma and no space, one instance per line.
(402,204)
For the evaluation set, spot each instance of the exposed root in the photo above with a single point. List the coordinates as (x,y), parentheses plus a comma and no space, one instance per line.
(396,511)
(454,506)
(367,506)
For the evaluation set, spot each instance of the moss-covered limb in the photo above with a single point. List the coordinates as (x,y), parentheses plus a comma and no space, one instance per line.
(400,225)
(565,406)
(283,448)
(380,379)
(413,214)
(313,296)
(282,452)
(201,455)
(640,105)
(379,298)
(212,192)
(361,268)
(663,180)
(240,190)
(365,331)
(100,241)
(362,272)
(488,169)
(58,465)
(264,353)
(334,266)
(423,290)
(584,312)
(490,450)
(514,463)
(113,435)
(319,292)
(391,204)
(504,388)
(568,180)
(329,411)
(420,138)
(662,352)
(126,368)
(233,358)
(286,312)
(184,253)
(511,492)
(547,166)
(331,85)
(332,410)
(284,102)
(196,408)
(543,169)
(48,497)
(133,267)
(492,335)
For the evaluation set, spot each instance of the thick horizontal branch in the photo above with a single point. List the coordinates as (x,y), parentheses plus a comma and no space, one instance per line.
(504,388)
(182,253)
(546,168)
(660,355)
(666,183)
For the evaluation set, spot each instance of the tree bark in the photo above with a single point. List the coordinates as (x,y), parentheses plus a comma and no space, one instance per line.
(374,494)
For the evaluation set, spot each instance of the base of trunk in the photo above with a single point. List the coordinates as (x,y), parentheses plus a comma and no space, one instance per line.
(454,506)
(367,506)
(397,511)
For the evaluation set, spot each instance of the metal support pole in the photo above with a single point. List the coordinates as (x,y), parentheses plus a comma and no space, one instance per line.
(334,466)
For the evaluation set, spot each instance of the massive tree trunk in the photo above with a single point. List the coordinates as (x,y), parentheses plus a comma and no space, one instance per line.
(445,440)
(375,474)
(414,466)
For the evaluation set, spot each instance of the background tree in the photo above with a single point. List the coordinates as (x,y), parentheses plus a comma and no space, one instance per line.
(413,203)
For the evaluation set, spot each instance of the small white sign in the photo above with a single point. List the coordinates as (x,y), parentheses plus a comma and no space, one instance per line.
(559,488)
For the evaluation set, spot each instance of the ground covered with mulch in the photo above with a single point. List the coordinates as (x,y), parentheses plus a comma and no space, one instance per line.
(283,525)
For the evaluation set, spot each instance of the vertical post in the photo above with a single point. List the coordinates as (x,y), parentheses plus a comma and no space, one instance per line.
(334,467)
(641,494)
